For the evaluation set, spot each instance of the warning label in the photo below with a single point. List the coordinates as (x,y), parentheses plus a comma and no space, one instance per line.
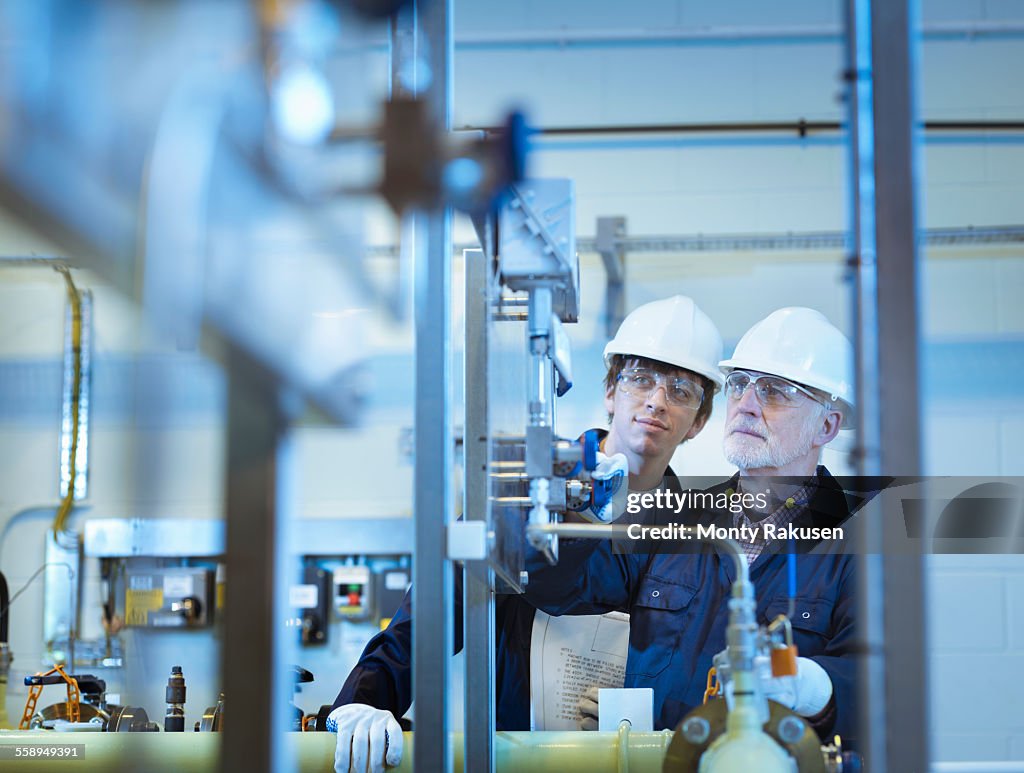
(139,603)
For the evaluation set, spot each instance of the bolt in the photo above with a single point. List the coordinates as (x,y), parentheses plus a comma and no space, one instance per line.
(696,730)
(791,729)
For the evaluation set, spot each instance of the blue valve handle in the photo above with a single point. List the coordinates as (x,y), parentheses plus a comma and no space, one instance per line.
(516,146)
(590,446)
(603,491)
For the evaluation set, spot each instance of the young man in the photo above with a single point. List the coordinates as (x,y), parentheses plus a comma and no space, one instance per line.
(662,374)
(789,391)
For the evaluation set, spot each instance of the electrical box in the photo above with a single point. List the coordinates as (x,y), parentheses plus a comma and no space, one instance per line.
(353,594)
(312,600)
(389,590)
(169,597)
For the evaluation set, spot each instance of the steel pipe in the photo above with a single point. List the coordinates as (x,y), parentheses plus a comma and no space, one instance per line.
(565,752)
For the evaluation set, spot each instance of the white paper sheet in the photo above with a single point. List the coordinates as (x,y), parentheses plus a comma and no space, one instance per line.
(568,654)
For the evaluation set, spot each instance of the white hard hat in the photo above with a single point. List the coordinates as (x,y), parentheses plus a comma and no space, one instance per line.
(675,331)
(802,345)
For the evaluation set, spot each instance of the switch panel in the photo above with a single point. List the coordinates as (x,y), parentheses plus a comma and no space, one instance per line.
(169,597)
(353,595)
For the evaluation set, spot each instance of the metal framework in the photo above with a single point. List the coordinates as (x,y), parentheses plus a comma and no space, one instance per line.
(432,497)
(891,588)
(766,242)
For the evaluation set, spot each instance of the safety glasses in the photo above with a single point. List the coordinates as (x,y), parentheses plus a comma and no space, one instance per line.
(771,391)
(679,390)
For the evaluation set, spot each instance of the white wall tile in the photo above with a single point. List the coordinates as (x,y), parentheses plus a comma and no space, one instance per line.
(32,308)
(1015,609)
(970,695)
(960,445)
(1003,9)
(990,204)
(945,164)
(1017,747)
(1000,565)
(967,613)
(1004,163)
(951,10)
(960,299)
(754,13)
(637,171)
(334,468)
(1009,279)
(1011,445)
(688,84)
(819,209)
(489,16)
(799,81)
(969,747)
(553,87)
(585,14)
(965,74)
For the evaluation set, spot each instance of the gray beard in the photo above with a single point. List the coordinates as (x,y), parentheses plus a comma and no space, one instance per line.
(773,452)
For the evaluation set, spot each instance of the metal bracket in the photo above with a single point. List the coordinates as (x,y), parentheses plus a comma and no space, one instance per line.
(610,233)
(467,541)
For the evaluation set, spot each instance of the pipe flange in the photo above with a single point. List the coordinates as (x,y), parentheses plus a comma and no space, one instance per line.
(790,731)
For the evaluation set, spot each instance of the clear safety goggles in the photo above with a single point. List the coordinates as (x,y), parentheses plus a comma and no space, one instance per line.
(679,390)
(771,391)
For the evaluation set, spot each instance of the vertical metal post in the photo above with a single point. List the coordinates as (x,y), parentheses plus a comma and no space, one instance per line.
(872,713)
(255,685)
(893,27)
(609,231)
(479,600)
(403,81)
(432,498)
(891,603)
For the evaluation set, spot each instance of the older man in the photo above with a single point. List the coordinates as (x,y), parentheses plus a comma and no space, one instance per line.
(789,392)
(661,378)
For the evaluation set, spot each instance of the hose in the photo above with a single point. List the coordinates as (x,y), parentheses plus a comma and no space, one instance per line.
(5,602)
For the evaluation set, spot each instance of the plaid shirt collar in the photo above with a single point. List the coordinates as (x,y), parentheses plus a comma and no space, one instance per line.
(786,512)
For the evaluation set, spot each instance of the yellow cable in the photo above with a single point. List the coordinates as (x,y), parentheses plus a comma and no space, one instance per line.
(75,299)
(5,723)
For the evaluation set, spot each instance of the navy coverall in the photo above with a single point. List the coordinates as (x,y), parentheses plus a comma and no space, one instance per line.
(678,608)
(383,676)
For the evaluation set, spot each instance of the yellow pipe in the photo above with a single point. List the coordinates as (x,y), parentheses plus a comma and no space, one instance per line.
(564,752)
(5,723)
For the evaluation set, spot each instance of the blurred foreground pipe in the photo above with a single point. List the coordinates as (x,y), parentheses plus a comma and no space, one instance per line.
(565,752)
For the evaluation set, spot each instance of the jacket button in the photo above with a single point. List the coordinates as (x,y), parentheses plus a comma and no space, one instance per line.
(805,615)
(655,593)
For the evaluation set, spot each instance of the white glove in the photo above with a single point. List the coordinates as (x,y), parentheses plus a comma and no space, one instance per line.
(587,707)
(365,734)
(807,693)
(611,489)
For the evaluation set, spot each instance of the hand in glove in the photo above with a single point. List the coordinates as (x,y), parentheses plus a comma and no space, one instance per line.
(365,734)
(587,707)
(611,489)
(807,693)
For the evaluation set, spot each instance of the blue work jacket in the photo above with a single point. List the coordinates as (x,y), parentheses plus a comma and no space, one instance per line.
(678,607)
(383,676)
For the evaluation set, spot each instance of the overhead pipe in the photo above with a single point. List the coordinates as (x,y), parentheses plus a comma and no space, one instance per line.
(801,127)
(564,38)
(738,242)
